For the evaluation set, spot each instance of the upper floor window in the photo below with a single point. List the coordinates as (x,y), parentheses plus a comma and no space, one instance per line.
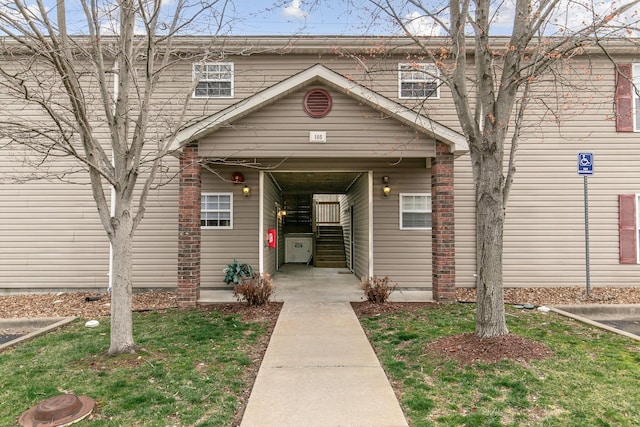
(418,81)
(215,80)
(216,210)
(415,211)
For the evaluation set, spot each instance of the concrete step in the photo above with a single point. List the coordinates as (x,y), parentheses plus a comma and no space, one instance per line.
(330,264)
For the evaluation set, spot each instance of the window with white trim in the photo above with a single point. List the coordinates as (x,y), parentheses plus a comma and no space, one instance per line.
(215,80)
(216,210)
(418,81)
(635,95)
(415,211)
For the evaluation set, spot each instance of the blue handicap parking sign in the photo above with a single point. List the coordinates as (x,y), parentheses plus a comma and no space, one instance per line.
(585,163)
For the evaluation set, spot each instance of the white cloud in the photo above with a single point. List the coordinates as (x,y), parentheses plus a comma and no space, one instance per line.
(294,11)
(10,13)
(421,25)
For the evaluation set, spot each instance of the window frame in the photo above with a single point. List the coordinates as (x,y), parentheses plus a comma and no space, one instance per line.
(402,211)
(428,78)
(195,77)
(203,210)
(635,96)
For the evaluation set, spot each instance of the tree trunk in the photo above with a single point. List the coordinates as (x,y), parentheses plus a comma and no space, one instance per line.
(121,293)
(490,317)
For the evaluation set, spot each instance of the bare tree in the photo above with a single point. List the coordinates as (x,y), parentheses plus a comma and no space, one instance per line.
(491,81)
(94,101)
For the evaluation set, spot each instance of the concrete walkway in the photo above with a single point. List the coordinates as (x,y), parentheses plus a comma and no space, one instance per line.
(319,368)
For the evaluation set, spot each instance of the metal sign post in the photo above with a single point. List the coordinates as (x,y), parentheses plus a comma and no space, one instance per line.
(585,168)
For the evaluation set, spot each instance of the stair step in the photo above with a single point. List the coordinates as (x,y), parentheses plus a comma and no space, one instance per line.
(330,247)
(330,256)
(330,264)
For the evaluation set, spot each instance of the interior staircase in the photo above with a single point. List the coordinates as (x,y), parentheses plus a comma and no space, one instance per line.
(329,251)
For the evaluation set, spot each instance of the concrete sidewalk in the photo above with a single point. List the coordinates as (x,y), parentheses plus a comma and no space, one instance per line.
(320,370)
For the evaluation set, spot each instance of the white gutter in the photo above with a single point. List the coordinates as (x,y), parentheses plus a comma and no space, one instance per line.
(370,223)
(261,224)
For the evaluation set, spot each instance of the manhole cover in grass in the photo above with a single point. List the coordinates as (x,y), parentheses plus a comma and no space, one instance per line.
(58,411)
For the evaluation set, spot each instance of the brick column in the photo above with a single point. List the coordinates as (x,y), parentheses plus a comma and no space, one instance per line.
(443,261)
(189,235)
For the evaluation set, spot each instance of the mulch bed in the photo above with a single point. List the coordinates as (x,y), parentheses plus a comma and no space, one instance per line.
(466,349)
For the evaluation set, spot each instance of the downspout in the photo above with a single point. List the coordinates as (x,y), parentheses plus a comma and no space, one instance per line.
(261,231)
(116,82)
(370,195)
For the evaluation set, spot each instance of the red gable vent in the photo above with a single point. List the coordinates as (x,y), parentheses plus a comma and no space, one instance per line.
(317,103)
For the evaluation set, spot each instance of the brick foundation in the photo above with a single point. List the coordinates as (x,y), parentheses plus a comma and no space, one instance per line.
(443,231)
(189,236)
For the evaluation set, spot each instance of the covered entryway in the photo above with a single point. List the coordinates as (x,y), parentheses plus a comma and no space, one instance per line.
(313,223)
(400,204)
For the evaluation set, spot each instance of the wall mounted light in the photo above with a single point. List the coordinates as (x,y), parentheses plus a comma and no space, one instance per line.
(237,178)
(282,213)
(246,190)
(386,190)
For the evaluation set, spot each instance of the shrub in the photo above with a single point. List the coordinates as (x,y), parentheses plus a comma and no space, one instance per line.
(377,289)
(255,290)
(235,271)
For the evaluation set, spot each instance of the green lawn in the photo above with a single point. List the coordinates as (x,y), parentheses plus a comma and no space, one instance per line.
(593,378)
(190,371)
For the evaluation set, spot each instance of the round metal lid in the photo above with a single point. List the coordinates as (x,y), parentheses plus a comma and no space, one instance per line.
(58,411)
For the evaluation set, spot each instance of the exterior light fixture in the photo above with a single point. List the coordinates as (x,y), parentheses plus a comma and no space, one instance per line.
(386,190)
(237,178)
(246,190)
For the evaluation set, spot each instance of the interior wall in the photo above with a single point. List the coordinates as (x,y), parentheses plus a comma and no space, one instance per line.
(358,197)
(272,199)
(345,222)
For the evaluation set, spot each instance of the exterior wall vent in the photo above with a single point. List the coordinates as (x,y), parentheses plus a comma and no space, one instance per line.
(317,103)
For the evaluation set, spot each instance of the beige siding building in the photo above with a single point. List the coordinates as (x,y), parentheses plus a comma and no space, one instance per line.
(302,119)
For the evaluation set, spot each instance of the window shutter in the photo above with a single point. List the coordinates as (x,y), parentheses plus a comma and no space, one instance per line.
(624,98)
(627,228)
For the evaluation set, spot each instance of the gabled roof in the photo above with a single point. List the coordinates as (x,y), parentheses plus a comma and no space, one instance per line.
(319,74)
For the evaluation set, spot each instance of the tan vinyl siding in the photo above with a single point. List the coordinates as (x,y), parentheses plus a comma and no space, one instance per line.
(258,72)
(358,197)
(51,237)
(345,223)
(220,247)
(155,246)
(402,255)
(544,229)
(282,129)
(270,220)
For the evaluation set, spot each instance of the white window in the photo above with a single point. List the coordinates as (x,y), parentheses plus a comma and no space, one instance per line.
(418,81)
(215,80)
(216,210)
(415,211)
(635,91)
